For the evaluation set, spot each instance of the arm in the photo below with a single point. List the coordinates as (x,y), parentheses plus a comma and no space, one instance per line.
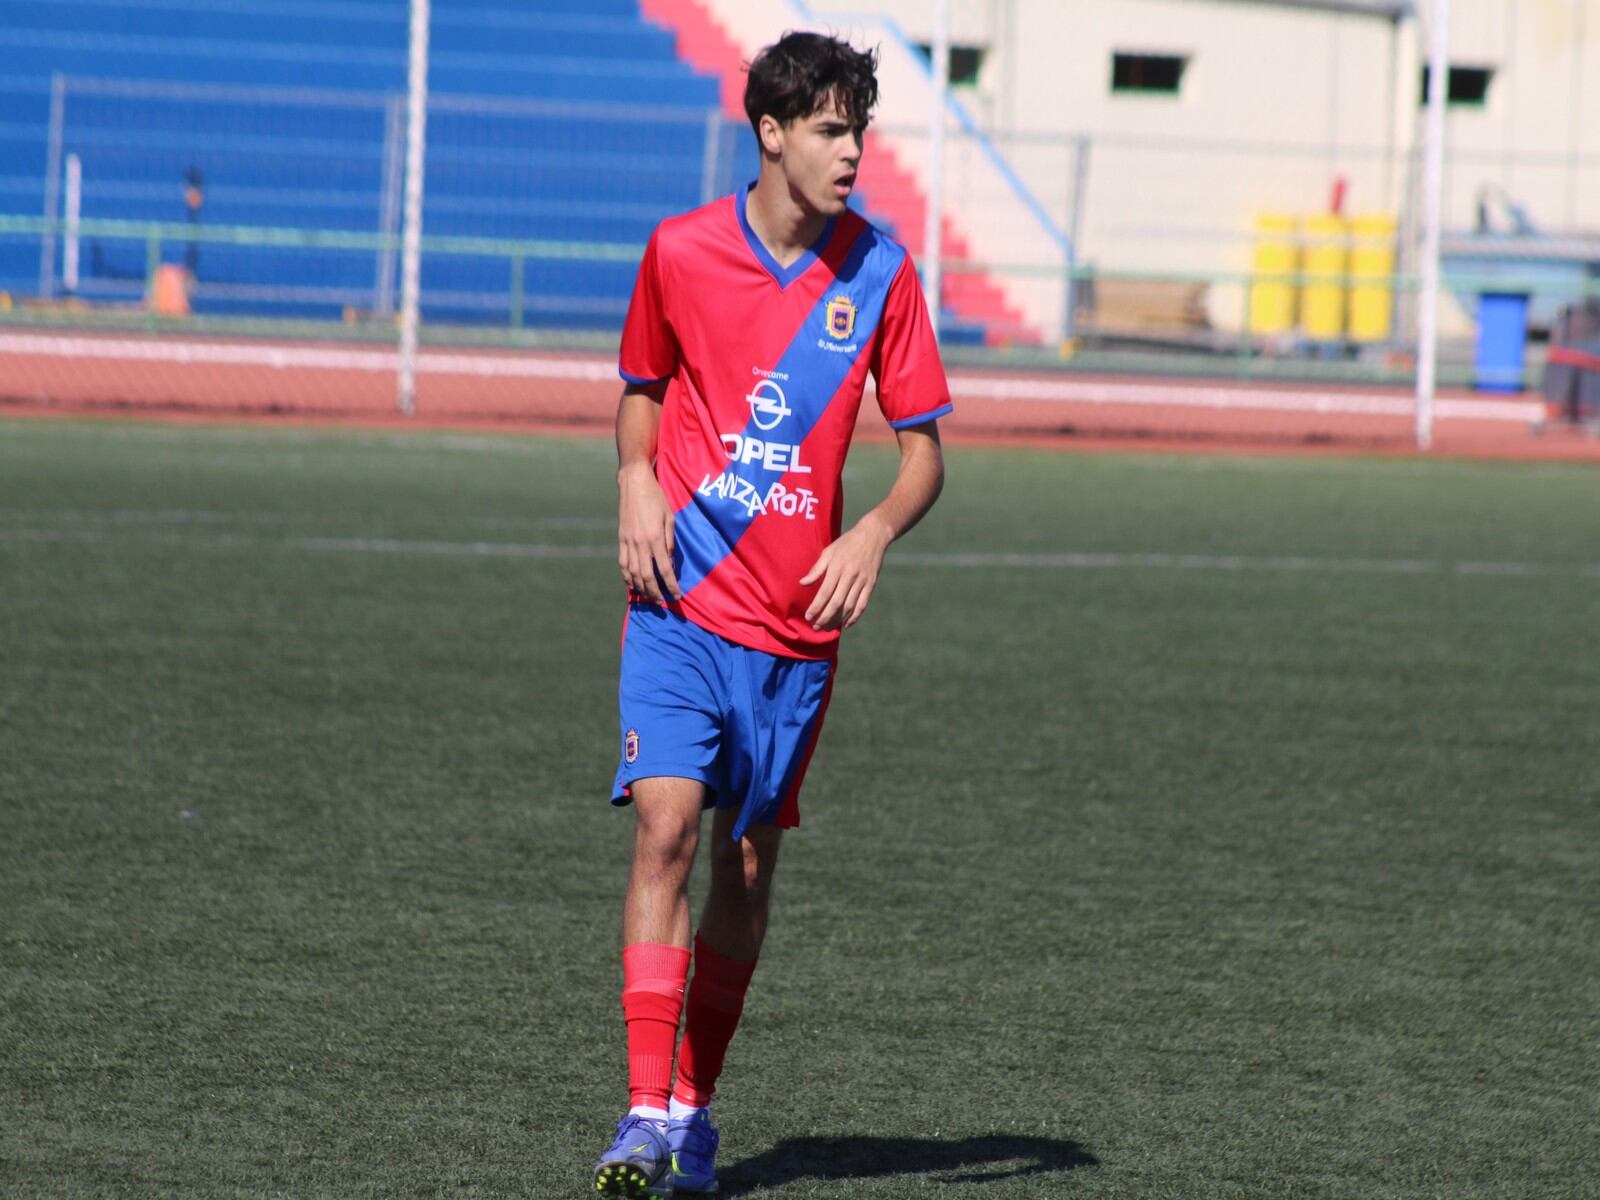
(644,520)
(849,567)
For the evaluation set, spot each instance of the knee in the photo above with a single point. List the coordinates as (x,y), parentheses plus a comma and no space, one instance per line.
(666,839)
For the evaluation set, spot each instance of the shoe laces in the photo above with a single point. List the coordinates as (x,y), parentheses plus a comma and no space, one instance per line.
(644,1124)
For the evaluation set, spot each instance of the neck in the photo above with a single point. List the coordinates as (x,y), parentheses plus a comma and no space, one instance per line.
(786,225)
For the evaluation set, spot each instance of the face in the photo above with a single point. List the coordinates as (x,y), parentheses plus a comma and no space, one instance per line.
(819,155)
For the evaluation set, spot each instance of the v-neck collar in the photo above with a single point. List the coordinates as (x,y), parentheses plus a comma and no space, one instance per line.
(783,275)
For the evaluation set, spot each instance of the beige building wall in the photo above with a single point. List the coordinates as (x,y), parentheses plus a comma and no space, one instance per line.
(1278,100)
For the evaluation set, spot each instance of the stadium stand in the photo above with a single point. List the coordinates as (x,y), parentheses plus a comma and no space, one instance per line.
(574,123)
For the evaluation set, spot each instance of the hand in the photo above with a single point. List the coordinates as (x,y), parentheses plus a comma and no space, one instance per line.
(848,569)
(644,533)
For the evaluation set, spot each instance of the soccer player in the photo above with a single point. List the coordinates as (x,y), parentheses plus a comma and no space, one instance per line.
(753,325)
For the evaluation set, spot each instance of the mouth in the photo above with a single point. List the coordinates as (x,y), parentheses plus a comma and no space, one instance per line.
(844,184)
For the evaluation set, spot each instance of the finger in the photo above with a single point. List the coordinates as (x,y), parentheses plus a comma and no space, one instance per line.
(662,556)
(669,546)
(849,600)
(820,603)
(644,579)
(858,605)
(824,597)
(847,604)
(828,618)
(818,600)
(817,568)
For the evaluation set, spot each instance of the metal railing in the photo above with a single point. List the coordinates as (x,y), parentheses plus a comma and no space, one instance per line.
(506,312)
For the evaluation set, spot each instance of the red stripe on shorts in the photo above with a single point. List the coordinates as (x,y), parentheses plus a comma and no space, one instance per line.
(789,811)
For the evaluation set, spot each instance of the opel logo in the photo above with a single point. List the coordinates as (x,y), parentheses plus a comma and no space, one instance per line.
(768,407)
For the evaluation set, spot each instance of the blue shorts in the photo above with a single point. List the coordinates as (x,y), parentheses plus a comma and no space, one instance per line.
(697,706)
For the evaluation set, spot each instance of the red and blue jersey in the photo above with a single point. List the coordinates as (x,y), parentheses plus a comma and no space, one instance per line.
(766,366)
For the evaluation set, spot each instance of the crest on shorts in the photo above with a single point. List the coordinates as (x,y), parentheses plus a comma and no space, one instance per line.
(630,746)
(841,318)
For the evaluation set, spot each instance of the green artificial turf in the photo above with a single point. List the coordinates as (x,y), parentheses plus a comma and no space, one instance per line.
(1183,827)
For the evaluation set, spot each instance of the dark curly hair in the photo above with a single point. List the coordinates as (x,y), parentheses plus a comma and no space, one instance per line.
(798,74)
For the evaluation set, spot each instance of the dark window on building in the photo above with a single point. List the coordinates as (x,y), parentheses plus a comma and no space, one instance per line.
(1158,73)
(1464,85)
(965,62)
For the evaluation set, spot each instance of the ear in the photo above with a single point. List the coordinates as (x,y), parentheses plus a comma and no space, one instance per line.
(771,136)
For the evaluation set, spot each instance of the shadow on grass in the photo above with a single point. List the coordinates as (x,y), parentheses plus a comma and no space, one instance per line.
(973,1160)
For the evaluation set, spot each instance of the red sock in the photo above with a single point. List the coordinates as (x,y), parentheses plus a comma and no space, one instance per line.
(716,998)
(653,976)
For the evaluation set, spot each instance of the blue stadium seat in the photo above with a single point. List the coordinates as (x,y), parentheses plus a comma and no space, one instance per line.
(586,128)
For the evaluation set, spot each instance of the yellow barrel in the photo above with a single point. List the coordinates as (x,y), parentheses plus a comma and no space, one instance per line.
(1372,259)
(1272,300)
(1322,292)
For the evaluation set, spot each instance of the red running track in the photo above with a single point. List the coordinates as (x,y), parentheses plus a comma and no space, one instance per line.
(186,377)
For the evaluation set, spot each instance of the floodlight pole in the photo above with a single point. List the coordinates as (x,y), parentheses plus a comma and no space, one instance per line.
(74,209)
(52,186)
(1432,203)
(931,241)
(411,238)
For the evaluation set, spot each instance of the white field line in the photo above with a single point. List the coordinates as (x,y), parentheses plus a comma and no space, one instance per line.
(428,547)
(1202,395)
(604,370)
(251,354)
(53,535)
(458,549)
(217,516)
(1176,562)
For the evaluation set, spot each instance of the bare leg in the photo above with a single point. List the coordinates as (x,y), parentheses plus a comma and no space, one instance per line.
(735,919)
(726,949)
(666,834)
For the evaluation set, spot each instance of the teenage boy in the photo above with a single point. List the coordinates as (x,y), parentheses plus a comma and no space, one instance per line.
(754,323)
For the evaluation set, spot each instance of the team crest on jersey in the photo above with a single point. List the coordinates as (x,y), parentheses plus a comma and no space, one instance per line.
(630,746)
(841,318)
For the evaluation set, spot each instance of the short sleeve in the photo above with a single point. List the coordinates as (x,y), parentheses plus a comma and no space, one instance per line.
(912,388)
(649,350)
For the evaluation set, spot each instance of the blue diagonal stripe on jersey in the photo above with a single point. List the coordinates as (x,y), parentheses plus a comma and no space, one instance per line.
(708,527)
